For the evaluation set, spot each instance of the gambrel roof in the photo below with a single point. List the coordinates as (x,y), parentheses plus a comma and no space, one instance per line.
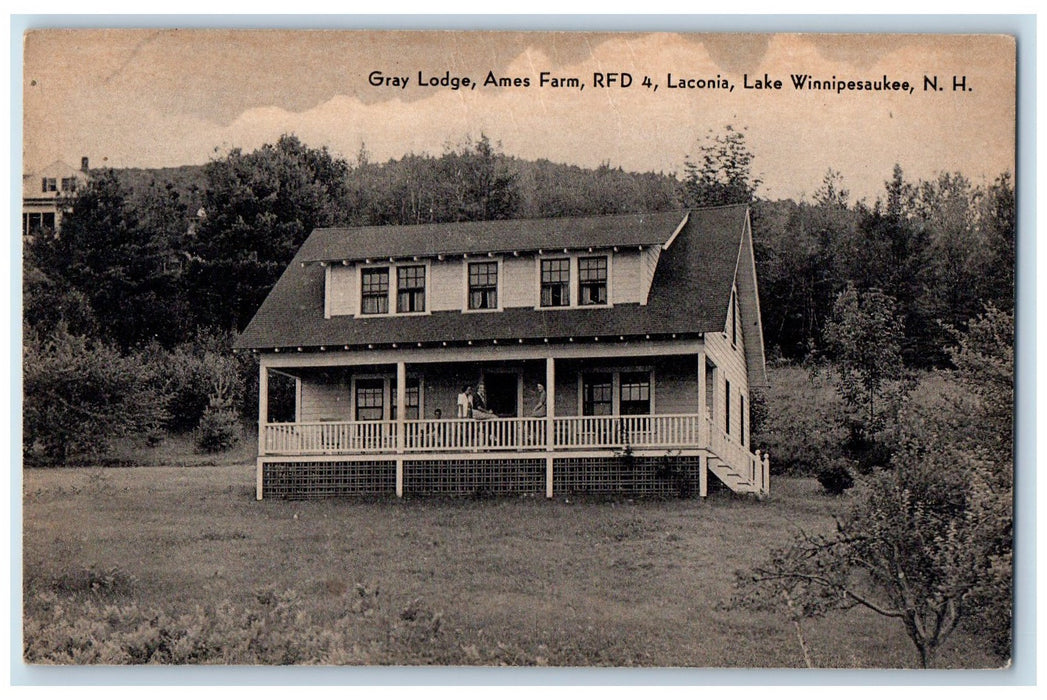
(704,254)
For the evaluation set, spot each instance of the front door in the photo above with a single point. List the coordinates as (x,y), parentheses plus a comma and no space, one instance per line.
(502,389)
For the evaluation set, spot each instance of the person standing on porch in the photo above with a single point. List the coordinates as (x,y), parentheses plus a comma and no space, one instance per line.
(465,402)
(480,410)
(539,405)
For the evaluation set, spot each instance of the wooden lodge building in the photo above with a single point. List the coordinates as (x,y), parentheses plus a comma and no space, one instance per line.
(615,353)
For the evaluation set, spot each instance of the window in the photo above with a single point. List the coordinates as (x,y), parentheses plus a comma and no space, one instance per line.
(635,394)
(597,395)
(370,395)
(375,291)
(410,289)
(413,395)
(49,184)
(592,280)
(69,184)
(35,223)
(741,417)
(556,282)
(483,285)
(727,408)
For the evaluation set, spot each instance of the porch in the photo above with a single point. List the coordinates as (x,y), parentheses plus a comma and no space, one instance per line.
(606,422)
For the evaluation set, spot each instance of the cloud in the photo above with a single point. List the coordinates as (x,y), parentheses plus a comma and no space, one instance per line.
(795,135)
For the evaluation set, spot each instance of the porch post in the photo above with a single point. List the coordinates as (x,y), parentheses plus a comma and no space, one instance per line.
(703,476)
(703,437)
(401,413)
(550,432)
(263,418)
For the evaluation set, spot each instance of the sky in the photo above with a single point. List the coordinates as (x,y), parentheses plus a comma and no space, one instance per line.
(158,98)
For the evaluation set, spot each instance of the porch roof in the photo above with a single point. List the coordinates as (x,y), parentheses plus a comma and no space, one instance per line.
(690,293)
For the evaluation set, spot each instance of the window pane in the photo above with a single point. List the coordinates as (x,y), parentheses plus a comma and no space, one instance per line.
(410,282)
(592,280)
(556,279)
(635,394)
(369,399)
(597,395)
(375,291)
(483,285)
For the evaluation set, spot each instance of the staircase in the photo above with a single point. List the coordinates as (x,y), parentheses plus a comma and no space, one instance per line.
(739,470)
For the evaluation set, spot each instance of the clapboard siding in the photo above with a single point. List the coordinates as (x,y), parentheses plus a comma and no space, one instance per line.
(676,385)
(341,290)
(518,285)
(625,278)
(731,364)
(447,285)
(648,263)
(325,398)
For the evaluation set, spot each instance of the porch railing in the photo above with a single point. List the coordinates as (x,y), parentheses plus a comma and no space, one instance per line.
(627,431)
(496,434)
(458,434)
(748,465)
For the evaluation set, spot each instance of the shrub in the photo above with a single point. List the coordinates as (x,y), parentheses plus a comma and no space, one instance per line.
(219,428)
(835,477)
(80,394)
(798,420)
(188,374)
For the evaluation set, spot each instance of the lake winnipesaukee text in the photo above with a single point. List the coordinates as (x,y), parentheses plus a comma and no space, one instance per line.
(624,80)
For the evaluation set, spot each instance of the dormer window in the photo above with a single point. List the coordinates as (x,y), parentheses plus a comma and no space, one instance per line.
(483,285)
(592,281)
(374,290)
(556,282)
(410,289)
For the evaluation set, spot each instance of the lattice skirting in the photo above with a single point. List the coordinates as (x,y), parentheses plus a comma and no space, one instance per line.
(641,476)
(644,476)
(299,480)
(474,477)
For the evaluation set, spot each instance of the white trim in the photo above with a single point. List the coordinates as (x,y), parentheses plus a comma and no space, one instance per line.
(686,216)
(531,351)
(327,291)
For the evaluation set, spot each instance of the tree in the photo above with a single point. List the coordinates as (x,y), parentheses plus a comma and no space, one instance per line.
(109,253)
(997,221)
(722,172)
(864,338)
(929,541)
(259,208)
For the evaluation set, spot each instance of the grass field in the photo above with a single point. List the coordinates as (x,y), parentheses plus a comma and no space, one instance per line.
(181,564)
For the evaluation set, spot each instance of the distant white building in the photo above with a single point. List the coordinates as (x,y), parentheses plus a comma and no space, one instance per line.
(46,194)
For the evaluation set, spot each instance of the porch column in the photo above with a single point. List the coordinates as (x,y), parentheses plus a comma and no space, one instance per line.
(703,476)
(263,418)
(401,413)
(550,431)
(703,433)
